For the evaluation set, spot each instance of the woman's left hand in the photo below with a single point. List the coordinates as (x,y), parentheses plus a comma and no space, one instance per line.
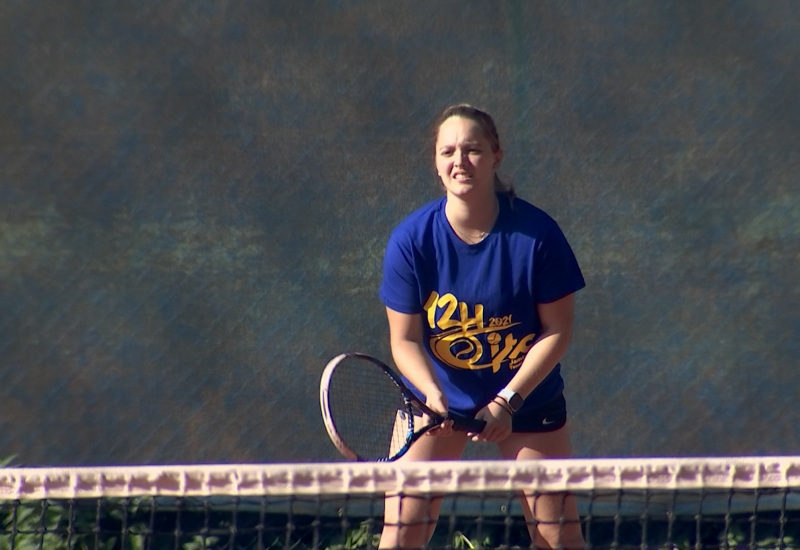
(498,423)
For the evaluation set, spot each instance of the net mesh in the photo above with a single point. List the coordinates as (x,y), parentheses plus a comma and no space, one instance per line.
(630,503)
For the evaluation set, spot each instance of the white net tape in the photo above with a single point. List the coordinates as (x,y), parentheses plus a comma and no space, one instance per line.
(364,478)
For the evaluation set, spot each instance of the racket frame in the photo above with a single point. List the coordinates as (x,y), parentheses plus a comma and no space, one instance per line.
(412,404)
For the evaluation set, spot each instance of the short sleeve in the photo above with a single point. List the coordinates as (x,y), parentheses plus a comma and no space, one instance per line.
(557,273)
(399,288)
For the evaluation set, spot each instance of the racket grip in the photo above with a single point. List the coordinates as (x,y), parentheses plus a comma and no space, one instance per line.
(465,424)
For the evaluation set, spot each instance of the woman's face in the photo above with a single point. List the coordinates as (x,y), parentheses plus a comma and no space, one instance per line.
(465,161)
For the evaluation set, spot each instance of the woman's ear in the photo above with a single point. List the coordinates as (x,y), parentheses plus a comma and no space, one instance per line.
(498,158)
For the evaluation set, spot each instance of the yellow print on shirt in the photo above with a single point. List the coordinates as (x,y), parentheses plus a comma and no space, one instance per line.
(464,338)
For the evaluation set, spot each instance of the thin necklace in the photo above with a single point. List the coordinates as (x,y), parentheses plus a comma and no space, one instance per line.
(475,239)
(471,239)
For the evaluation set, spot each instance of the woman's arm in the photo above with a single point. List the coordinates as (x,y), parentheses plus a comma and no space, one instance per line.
(550,345)
(408,351)
(552,342)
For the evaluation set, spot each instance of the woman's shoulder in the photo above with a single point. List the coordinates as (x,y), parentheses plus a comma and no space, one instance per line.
(420,221)
(526,214)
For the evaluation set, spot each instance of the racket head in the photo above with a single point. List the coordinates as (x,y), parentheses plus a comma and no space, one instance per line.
(368,412)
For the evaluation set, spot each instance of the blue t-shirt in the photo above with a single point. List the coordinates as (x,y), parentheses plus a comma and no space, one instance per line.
(478,302)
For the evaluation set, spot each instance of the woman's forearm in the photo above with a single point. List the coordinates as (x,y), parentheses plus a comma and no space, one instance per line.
(413,363)
(408,351)
(548,348)
(540,360)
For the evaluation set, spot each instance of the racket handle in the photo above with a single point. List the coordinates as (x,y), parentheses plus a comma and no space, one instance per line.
(465,424)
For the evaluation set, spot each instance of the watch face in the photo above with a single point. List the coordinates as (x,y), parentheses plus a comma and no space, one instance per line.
(516,402)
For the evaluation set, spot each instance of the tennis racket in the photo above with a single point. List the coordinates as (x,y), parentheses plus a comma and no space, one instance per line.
(371,415)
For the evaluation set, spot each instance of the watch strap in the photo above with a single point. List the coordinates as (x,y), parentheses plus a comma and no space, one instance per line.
(511,397)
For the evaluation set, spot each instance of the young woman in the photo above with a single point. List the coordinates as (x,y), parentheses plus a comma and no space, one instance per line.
(479,292)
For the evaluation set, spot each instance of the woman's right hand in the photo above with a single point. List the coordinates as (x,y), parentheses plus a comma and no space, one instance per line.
(437,402)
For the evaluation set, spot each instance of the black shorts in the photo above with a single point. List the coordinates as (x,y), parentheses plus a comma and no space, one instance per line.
(548,418)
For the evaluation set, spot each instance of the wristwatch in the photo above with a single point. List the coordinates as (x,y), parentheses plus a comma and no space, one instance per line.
(513,398)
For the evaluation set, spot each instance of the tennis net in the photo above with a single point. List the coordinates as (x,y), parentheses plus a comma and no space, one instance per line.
(626,503)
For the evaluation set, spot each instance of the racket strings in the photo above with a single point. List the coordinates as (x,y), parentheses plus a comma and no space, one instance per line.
(370,413)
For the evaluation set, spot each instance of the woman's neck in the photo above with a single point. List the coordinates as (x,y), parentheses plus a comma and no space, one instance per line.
(472,220)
